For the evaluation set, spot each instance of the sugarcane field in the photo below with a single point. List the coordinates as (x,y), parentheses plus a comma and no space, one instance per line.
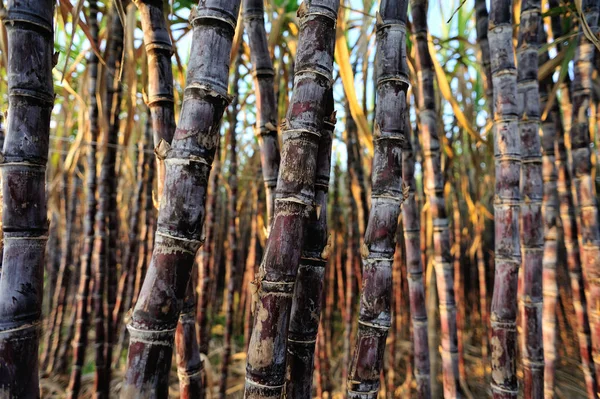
(297,199)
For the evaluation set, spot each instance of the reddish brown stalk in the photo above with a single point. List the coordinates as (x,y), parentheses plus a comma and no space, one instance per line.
(82,318)
(550,218)
(160,75)
(253,257)
(24,220)
(54,333)
(189,364)
(306,306)
(266,362)
(434,188)
(127,278)
(583,184)
(207,256)
(459,288)
(569,221)
(532,227)
(352,233)
(231,256)
(182,208)
(357,172)
(507,154)
(416,287)
(482,24)
(386,197)
(144,252)
(483,299)
(266,106)
(104,258)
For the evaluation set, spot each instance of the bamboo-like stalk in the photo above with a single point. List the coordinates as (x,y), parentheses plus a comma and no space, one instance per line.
(507,154)
(104,257)
(231,255)
(459,289)
(583,184)
(434,189)
(482,22)
(295,193)
(54,333)
(189,363)
(160,75)
(24,221)
(306,305)
(569,220)
(550,218)
(351,246)
(145,174)
(378,249)
(357,172)
(207,257)
(482,25)
(82,318)
(266,105)
(181,215)
(532,192)
(416,287)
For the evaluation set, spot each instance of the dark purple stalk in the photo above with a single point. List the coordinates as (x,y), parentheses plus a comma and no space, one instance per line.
(416,287)
(266,106)
(507,154)
(181,215)
(532,227)
(389,137)
(82,318)
(434,187)
(24,220)
(295,195)
(308,291)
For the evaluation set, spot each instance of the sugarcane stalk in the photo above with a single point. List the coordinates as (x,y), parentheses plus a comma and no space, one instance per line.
(295,194)
(532,192)
(582,182)
(416,287)
(189,363)
(482,22)
(23,167)
(54,333)
(389,137)
(82,318)
(207,257)
(266,105)
(351,238)
(231,256)
(160,75)
(507,154)
(182,209)
(550,217)
(434,188)
(306,305)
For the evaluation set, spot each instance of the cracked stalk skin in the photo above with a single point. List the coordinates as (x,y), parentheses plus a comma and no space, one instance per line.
(295,194)
(24,221)
(389,137)
(266,106)
(434,187)
(532,193)
(507,154)
(181,215)
(307,302)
